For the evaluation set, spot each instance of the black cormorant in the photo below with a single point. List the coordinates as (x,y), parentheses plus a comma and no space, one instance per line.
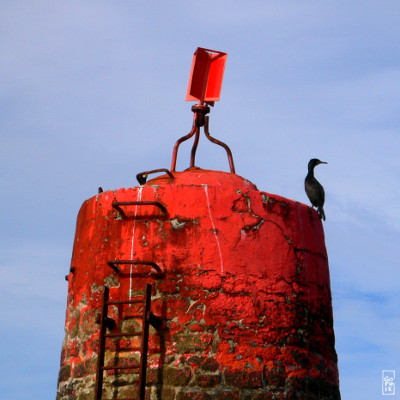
(314,189)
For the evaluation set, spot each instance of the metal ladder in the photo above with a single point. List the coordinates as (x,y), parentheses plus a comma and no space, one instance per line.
(147,319)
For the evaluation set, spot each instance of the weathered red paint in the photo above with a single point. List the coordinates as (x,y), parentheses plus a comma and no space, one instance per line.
(245,296)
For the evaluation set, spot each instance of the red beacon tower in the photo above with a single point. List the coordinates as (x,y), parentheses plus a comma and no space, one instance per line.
(195,285)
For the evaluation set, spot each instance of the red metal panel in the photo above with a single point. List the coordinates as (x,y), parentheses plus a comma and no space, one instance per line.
(206,75)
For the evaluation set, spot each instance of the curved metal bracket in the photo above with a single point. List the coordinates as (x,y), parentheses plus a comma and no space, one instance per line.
(177,144)
(114,265)
(117,205)
(142,176)
(222,144)
(200,119)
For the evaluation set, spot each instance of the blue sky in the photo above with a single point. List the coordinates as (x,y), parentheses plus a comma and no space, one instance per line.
(92,92)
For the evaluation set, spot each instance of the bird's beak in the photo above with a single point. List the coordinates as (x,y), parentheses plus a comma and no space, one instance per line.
(323,162)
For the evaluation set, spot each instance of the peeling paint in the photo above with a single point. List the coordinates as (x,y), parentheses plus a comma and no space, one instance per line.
(245,299)
(176,224)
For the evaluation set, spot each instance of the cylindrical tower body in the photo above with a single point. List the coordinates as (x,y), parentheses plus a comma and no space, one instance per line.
(244,293)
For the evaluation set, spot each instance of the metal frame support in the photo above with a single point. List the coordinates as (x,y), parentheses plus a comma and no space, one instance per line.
(200,119)
(142,176)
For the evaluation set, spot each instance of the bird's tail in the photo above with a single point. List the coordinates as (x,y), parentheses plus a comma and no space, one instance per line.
(321,213)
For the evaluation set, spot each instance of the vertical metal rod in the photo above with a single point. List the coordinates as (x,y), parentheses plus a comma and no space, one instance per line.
(145,343)
(194,148)
(216,141)
(178,142)
(102,343)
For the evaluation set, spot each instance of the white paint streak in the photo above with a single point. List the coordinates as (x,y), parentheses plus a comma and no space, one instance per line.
(138,198)
(214,229)
(130,282)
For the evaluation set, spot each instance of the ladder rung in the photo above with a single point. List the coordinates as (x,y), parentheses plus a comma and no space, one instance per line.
(144,334)
(136,301)
(120,334)
(108,367)
(127,398)
(113,264)
(117,205)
